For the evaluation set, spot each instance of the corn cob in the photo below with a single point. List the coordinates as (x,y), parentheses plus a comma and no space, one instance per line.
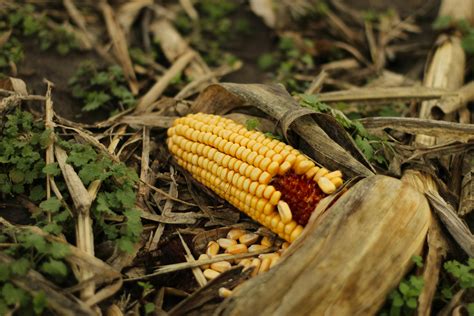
(270,181)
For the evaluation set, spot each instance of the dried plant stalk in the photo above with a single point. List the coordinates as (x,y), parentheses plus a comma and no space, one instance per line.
(82,203)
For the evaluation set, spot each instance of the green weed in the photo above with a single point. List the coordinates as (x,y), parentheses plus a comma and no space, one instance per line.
(23,171)
(371,146)
(288,60)
(24,22)
(217,27)
(101,88)
(30,251)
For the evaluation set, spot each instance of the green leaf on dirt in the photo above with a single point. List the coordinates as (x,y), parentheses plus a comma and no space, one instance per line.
(51,205)
(54,268)
(52,169)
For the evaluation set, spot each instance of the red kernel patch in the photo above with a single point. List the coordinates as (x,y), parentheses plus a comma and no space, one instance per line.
(301,194)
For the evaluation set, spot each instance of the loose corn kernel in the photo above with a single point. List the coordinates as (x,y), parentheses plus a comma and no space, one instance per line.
(264,265)
(256,247)
(266,241)
(210,274)
(248,239)
(221,266)
(212,248)
(226,243)
(235,233)
(224,292)
(235,249)
(256,265)
(204,257)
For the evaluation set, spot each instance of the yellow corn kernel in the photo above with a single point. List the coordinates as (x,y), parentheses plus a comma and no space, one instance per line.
(221,266)
(284,211)
(321,172)
(224,292)
(210,274)
(303,166)
(244,262)
(256,265)
(266,241)
(238,248)
(204,257)
(226,243)
(326,185)
(337,182)
(248,239)
(264,265)
(296,233)
(235,233)
(212,248)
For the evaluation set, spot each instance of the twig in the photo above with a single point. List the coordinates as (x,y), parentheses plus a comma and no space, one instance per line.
(82,203)
(385,94)
(317,84)
(144,165)
(190,88)
(119,42)
(462,132)
(49,125)
(30,97)
(188,265)
(198,275)
(456,227)
(464,95)
(189,9)
(160,86)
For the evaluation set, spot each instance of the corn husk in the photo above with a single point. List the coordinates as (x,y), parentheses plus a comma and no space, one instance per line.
(347,261)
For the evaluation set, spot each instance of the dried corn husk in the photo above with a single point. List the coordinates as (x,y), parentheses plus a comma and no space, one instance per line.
(346,262)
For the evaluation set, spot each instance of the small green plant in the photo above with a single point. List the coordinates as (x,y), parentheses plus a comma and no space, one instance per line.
(30,251)
(464,273)
(23,171)
(371,146)
(10,53)
(217,27)
(117,196)
(20,161)
(403,300)
(462,277)
(288,60)
(23,141)
(101,88)
(25,22)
